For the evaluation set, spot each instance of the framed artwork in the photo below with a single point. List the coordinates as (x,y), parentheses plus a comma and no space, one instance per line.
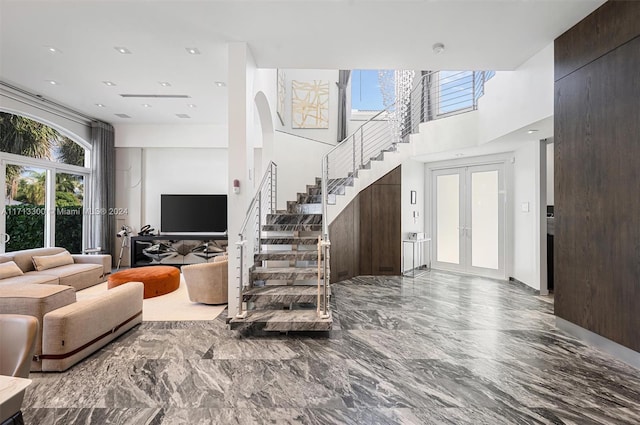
(282,94)
(310,104)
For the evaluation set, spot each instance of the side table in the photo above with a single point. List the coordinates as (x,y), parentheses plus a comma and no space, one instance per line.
(417,245)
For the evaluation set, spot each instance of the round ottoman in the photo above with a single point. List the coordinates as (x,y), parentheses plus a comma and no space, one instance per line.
(157,280)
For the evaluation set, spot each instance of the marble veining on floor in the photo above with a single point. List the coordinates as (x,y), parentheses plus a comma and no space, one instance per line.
(441,348)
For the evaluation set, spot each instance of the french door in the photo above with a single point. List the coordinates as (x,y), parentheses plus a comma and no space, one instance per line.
(42,205)
(468,219)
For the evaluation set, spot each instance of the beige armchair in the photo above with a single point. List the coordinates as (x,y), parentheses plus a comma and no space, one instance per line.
(17,341)
(207,282)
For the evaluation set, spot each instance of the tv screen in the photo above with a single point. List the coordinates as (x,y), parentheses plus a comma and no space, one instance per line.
(193,213)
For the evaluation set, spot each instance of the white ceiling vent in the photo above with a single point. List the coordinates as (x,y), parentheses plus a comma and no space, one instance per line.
(158,96)
(123,116)
(182,116)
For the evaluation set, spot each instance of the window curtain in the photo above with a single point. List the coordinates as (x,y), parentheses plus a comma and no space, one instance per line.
(101,220)
(343,82)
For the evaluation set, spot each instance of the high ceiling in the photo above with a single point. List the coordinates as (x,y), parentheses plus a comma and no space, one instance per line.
(313,34)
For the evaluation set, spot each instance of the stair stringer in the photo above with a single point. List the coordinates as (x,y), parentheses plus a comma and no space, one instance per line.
(366,177)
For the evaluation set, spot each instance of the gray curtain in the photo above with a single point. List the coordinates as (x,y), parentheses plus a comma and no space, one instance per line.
(343,82)
(103,172)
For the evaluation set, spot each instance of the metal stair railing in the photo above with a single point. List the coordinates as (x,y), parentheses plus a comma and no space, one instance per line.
(436,95)
(264,202)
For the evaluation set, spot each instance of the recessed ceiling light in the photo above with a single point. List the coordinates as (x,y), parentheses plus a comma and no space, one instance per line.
(123,50)
(220,83)
(164,83)
(438,48)
(531,131)
(100,105)
(182,116)
(52,82)
(459,155)
(109,83)
(191,105)
(192,50)
(146,105)
(52,49)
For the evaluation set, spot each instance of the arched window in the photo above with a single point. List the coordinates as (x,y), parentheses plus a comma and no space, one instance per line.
(45,176)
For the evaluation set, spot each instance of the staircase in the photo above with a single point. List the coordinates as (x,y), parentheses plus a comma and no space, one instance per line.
(287,285)
(283,291)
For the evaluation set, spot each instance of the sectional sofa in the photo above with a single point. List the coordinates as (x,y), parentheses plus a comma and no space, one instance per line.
(43,283)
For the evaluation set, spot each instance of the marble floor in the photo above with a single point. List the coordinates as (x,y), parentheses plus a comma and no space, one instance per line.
(438,349)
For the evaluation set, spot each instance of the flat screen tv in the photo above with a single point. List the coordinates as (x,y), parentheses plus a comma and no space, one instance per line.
(193,213)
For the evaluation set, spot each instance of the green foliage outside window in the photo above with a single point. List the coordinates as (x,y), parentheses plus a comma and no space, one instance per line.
(27,227)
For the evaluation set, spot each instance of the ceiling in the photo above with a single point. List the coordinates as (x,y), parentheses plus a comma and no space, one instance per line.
(311,34)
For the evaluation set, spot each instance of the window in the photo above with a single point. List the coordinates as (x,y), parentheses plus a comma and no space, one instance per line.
(455,91)
(372,89)
(45,175)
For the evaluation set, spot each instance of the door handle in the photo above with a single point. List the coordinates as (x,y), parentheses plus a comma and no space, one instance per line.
(5,237)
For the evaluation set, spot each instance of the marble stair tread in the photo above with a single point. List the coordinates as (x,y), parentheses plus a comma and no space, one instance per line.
(311,255)
(305,198)
(294,207)
(297,294)
(294,218)
(292,227)
(289,240)
(284,320)
(285,273)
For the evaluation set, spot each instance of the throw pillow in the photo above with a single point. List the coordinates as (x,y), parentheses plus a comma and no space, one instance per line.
(9,269)
(44,262)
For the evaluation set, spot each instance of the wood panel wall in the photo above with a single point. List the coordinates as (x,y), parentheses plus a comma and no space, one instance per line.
(366,236)
(597,173)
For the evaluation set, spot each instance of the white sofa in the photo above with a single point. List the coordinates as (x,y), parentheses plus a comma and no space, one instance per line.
(86,270)
(69,330)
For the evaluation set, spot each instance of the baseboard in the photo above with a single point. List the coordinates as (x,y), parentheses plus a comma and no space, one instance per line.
(616,350)
(524,285)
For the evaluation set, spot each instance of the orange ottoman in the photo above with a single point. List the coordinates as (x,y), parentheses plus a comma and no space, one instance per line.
(157,280)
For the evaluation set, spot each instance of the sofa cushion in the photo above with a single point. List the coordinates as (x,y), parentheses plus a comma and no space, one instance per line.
(79,276)
(5,258)
(35,300)
(30,278)
(24,258)
(45,262)
(9,269)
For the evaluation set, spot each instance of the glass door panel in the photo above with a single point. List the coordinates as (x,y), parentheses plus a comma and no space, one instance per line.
(25,207)
(468,214)
(484,219)
(69,211)
(448,218)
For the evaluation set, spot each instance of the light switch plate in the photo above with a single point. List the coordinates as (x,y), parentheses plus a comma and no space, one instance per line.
(525,207)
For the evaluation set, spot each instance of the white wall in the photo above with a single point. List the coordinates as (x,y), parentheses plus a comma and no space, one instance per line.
(299,162)
(171,136)
(451,133)
(412,214)
(175,171)
(328,135)
(515,99)
(526,224)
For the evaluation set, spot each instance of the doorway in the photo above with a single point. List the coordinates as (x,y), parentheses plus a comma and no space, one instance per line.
(468,219)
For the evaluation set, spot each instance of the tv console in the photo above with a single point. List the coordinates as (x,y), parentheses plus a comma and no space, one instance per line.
(176,250)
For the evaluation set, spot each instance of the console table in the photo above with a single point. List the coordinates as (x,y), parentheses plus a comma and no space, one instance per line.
(176,250)
(423,263)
